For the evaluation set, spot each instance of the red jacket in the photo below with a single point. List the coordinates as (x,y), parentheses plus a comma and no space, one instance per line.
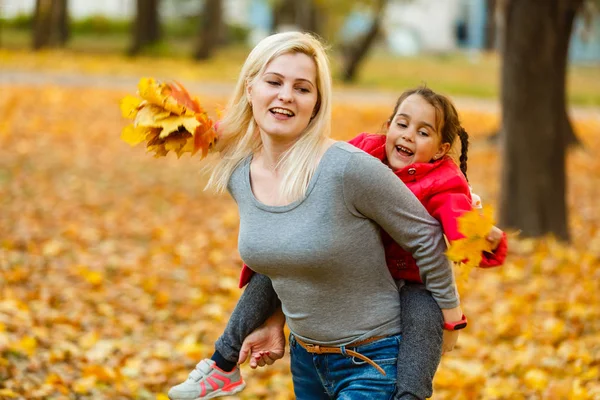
(442,189)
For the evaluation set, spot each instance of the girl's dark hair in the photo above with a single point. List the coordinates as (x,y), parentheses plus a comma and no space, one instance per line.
(447,121)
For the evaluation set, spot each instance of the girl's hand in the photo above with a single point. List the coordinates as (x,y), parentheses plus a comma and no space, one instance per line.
(494,237)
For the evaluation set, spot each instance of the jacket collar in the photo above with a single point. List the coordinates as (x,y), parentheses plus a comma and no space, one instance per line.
(416,171)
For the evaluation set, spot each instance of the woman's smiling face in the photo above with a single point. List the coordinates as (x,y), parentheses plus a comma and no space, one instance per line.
(412,135)
(284,97)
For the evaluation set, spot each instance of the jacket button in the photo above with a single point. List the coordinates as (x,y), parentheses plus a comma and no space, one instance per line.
(412,171)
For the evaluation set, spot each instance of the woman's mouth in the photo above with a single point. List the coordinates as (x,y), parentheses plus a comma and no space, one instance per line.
(281,113)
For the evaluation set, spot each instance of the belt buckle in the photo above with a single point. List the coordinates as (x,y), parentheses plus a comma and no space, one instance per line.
(313,348)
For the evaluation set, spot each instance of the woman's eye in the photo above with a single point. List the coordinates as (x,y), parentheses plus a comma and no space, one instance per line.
(303,90)
(273,83)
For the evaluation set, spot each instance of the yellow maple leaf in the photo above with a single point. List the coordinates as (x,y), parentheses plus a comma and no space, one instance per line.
(175,144)
(155,117)
(475,225)
(129,106)
(172,124)
(134,136)
(160,94)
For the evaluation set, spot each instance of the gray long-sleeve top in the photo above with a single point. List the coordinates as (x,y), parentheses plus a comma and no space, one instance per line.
(324,253)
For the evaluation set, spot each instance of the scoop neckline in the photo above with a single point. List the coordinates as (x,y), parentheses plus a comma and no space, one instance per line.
(294,204)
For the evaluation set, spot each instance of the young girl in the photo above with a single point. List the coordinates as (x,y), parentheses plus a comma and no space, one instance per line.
(420,131)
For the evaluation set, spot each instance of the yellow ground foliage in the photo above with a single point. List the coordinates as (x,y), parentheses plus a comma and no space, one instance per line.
(118,272)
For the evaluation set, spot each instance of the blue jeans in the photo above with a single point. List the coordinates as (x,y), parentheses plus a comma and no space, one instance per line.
(335,376)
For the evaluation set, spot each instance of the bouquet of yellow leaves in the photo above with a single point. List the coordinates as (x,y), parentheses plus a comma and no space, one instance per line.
(475,225)
(166,118)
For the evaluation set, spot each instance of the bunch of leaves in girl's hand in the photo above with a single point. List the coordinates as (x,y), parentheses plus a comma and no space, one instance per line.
(475,226)
(166,118)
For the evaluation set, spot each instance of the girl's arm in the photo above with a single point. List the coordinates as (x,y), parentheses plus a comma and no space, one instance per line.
(448,201)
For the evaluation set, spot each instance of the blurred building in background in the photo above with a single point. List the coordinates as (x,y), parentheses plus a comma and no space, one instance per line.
(410,27)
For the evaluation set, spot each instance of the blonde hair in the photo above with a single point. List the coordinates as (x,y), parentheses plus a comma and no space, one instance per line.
(239,135)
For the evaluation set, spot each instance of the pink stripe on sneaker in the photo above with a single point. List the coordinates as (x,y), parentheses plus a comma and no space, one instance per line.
(213,384)
(227,388)
(222,378)
(203,387)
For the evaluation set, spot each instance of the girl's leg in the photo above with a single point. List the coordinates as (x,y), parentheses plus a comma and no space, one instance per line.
(219,376)
(256,304)
(421,344)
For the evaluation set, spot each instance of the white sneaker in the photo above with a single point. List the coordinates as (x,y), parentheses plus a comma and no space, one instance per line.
(208,381)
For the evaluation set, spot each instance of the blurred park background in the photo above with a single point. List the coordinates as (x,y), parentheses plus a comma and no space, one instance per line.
(118,272)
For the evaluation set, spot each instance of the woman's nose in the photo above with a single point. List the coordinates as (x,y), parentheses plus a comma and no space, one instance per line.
(285,93)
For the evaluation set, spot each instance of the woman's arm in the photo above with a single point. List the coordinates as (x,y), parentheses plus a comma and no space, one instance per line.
(371,190)
(266,344)
(258,302)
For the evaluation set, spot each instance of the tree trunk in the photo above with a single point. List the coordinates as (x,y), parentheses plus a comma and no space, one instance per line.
(490,25)
(146,28)
(356,54)
(210,30)
(302,15)
(62,20)
(50,26)
(534,117)
(284,14)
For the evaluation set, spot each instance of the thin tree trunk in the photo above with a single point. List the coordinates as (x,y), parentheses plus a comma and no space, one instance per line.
(284,14)
(50,26)
(62,22)
(356,54)
(307,16)
(302,15)
(146,28)
(490,25)
(210,31)
(41,23)
(534,54)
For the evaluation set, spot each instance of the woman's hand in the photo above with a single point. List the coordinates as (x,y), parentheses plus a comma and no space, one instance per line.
(494,237)
(449,340)
(266,344)
(450,337)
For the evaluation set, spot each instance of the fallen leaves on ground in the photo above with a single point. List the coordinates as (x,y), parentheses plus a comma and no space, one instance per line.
(118,272)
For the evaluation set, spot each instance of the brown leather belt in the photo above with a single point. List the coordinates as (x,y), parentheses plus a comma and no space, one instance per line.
(318,349)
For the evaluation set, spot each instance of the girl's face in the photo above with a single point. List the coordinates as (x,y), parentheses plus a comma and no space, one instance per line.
(284,97)
(412,136)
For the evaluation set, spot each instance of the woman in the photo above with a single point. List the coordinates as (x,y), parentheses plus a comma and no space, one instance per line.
(311,212)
